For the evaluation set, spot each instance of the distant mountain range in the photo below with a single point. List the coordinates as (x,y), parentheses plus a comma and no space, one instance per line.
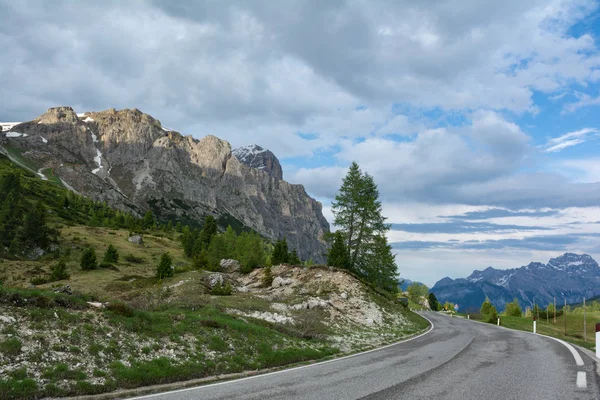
(570,276)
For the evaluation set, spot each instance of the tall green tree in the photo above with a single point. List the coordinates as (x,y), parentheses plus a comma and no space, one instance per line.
(148,222)
(488,311)
(111,255)
(358,216)
(294,259)
(417,290)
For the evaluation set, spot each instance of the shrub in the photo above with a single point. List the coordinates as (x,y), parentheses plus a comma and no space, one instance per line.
(221,290)
(134,259)
(120,308)
(513,309)
(165,267)
(89,260)
(38,280)
(267,278)
(11,347)
(59,271)
(111,256)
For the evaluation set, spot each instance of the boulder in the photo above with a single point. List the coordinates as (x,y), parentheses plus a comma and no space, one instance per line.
(7,319)
(230,265)
(214,279)
(136,239)
(279,282)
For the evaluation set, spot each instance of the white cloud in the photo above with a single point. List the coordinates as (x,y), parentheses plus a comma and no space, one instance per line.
(585,100)
(570,139)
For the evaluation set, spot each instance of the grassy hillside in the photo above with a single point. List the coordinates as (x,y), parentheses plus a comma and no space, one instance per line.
(122,327)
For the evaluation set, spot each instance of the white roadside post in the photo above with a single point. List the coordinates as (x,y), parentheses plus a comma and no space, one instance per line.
(598,340)
(498,321)
(534,325)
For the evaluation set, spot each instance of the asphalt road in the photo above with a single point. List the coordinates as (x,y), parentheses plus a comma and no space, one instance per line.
(457,360)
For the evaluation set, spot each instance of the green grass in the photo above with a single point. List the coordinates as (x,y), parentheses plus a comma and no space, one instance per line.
(11,347)
(574,331)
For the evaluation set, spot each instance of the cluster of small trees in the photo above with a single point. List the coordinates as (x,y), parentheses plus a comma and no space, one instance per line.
(360,244)
(207,247)
(23,225)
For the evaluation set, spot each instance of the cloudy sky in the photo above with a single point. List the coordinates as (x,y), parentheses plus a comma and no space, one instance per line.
(480,121)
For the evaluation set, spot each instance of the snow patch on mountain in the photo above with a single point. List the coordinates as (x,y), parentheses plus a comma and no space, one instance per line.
(7,126)
(245,153)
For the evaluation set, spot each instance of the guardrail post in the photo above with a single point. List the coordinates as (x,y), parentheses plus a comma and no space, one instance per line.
(534,326)
(468,317)
(498,321)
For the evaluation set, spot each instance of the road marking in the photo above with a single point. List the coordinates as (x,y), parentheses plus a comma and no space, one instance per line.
(576,355)
(581,380)
(291,369)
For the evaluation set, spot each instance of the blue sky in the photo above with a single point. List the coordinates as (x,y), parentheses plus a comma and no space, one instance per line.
(480,121)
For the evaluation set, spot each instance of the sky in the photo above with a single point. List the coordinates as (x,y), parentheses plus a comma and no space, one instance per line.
(480,121)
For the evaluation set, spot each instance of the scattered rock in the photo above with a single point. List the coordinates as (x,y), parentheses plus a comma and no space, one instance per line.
(318,275)
(7,319)
(95,304)
(136,239)
(63,289)
(344,295)
(279,282)
(214,279)
(230,266)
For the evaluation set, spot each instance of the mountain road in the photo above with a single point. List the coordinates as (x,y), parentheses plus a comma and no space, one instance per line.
(457,359)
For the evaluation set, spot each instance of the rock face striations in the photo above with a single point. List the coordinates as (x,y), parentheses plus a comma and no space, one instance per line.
(129,160)
(570,276)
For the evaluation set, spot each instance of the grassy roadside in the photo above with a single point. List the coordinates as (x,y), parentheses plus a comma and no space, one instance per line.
(574,331)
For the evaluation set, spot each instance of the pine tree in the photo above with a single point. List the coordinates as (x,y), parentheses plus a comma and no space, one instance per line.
(148,222)
(170,226)
(35,231)
(280,252)
(111,255)
(358,216)
(209,230)
(337,256)
(250,252)
(59,271)
(294,259)
(89,260)
(165,267)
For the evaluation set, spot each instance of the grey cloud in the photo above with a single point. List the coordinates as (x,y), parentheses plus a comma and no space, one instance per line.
(463,227)
(500,213)
(542,243)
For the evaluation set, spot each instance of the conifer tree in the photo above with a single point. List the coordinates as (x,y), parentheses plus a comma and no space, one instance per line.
(165,267)
(111,255)
(280,252)
(59,271)
(209,230)
(337,256)
(294,259)
(89,260)
(358,216)
(148,222)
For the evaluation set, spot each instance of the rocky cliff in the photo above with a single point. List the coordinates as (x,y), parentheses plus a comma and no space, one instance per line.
(570,276)
(129,160)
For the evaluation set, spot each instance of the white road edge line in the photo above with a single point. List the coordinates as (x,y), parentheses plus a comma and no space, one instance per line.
(289,370)
(575,353)
(581,380)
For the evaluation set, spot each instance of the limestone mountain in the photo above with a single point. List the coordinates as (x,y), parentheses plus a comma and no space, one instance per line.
(570,276)
(128,159)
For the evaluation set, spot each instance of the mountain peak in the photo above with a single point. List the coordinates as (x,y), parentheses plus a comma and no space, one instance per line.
(257,157)
(572,260)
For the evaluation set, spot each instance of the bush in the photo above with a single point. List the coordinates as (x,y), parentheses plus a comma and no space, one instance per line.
(221,290)
(89,260)
(120,308)
(134,259)
(267,278)
(11,347)
(488,311)
(38,280)
(513,309)
(165,268)
(59,271)
(111,256)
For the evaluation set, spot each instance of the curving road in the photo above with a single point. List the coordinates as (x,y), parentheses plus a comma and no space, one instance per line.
(457,360)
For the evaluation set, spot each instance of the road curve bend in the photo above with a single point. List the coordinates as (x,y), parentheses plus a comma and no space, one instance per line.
(457,360)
